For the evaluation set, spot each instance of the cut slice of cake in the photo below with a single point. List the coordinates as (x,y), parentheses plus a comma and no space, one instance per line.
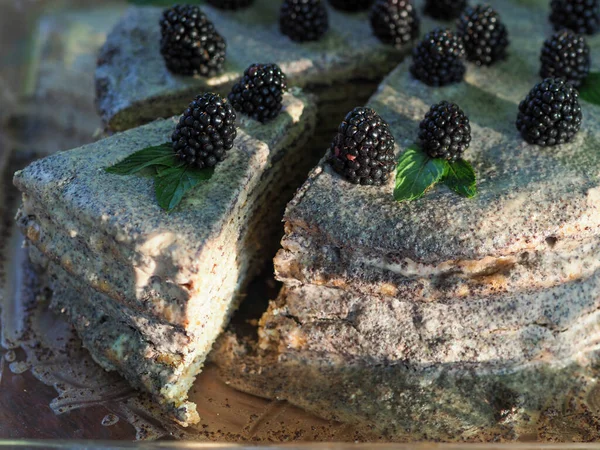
(445,318)
(149,291)
(134,85)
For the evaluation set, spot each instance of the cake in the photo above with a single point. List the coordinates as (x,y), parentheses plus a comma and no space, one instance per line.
(134,85)
(149,291)
(445,318)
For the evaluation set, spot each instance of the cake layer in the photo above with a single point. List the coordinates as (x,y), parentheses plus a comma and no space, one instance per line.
(534,223)
(109,231)
(134,86)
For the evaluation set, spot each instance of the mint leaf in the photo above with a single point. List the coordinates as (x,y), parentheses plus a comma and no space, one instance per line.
(415,173)
(160,155)
(590,89)
(173,183)
(460,177)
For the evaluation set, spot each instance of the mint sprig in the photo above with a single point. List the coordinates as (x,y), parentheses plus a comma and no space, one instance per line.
(172,178)
(460,177)
(590,89)
(416,173)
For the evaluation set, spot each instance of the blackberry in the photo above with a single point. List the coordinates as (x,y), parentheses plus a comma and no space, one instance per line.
(581,16)
(231,4)
(438,58)
(363,148)
(445,132)
(395,21)
(566,55)
(303,20)
(351,5)
(550,114)
(444,9)
(260,92)
(205,131)
(189,44)
(483,34)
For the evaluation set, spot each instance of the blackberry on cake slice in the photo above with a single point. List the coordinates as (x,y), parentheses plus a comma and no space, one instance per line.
(438,58)
(444,9)
(363,148)
(351,5)
(260,91)
(484,36)
(445,132)
(581,16)
(231,4)
(550,114)
(303,20)
(189,43)
(566,54)
(395,22)
(205,131)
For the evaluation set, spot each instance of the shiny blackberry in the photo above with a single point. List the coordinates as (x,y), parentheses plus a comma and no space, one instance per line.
(189,43)
(303,20)
(581,16)
(444,9)
(363,148)
(445,132)
(351,5)
(438,58)
(550,114)
(205,131)
(231,4)
(394,22)
(566,55)
(483,34)
(260,92)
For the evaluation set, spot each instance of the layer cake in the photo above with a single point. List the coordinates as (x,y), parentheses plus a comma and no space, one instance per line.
(445,318)
(147,291)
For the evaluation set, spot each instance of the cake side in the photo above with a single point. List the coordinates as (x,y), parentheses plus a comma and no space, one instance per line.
(134,86)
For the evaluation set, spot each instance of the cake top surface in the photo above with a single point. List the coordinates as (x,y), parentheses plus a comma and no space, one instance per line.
(132,70)
(529,196)
(75,184)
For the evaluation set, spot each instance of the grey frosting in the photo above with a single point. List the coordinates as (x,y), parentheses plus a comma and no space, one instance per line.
(134,85)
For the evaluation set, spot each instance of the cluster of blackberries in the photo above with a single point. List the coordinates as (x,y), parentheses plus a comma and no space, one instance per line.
(189,42)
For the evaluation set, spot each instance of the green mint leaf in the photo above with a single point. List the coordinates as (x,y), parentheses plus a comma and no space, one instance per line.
(160,155)
(173,183)
(590,89)
(415,173)
(460,177)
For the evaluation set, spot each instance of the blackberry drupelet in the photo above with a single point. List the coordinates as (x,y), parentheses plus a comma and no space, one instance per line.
(260,92)
(438,58)
(445,132)
(303,20)
(231,4)
(395,22)
(189,43)
(351,5)
(483,34)
(581,16)
(363,148)
(205,131)
(550,114)
(565,55)
(444,9)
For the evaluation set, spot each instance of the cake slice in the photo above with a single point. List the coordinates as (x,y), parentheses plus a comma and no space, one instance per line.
(149,291)
(445,318)
(134,85)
